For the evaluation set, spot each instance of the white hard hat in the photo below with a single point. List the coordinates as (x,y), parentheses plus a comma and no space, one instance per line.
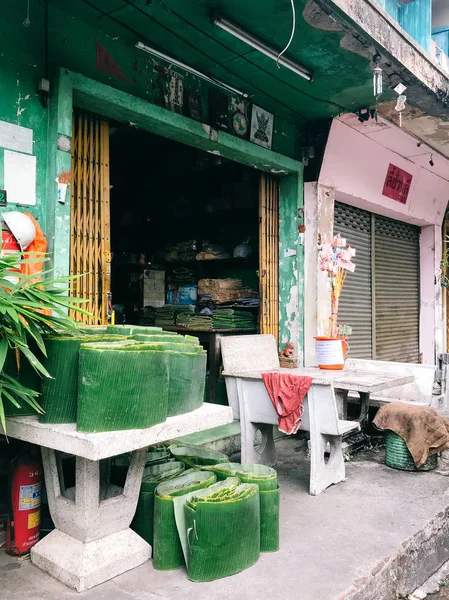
(22,228)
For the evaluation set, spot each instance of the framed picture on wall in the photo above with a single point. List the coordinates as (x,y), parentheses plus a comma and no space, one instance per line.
(262,125)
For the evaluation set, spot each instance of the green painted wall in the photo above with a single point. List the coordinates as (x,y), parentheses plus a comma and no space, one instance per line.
(22,61)
(72,38)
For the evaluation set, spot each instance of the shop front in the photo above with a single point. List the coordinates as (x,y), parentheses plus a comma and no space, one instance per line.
(386,193)
(175,223)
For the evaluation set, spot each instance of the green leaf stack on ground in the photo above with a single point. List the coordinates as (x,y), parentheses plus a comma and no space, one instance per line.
(266,479)
(60,394)
(187,372)
(221,533)
(167,549)
(197,456)
(121,386)
(153,475)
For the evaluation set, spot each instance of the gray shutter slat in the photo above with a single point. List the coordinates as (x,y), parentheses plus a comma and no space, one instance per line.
(396,284)
(355,301)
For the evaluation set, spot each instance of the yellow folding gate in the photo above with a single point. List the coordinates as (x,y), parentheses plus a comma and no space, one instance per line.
(90,249)
(269,255)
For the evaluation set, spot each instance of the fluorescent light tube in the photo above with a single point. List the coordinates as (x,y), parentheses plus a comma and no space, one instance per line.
(261,46)
(191,70)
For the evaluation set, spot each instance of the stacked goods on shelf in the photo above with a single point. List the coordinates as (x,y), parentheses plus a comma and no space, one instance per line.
(197,456)
(167,549)
(121,387)
(219,529)
(166,315)
(148,316)
(266,479)
(186,362)
(222,291)
(228,318)
(153,475)
(194,321)
(59,394)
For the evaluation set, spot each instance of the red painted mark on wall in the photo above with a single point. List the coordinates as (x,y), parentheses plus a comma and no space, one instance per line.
(106,64)
(397,184)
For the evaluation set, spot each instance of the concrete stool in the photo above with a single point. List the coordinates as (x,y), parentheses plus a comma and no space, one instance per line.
(92,541)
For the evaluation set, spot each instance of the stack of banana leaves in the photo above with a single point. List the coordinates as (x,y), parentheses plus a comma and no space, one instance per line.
(219,529)
(167,549)
(266,479)
(113,387)
(60,393)
(186,362)
(197,456)
(153,475)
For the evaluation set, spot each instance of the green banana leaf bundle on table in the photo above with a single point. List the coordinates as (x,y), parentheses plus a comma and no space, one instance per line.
(219,528)
(60,394)
(153,475)
(93,329)
(197,456)
(130,329)
(266,479)
(162,336)
(167,549)
(187,373)
(121,387)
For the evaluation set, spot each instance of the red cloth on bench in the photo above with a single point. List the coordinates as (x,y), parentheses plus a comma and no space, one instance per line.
(287,393)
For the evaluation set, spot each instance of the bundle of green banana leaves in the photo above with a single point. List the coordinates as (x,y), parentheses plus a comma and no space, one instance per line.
(197,456)
(167,549)
(121,387)
(59,394)
(131,329)
(162,336)
(187,372)
(219,528)
(266,479)
(153,475)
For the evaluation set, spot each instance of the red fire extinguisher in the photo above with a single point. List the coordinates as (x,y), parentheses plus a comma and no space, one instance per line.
(24,515)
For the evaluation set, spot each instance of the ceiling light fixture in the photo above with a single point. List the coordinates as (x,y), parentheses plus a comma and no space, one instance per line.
(257,44)
(191,70)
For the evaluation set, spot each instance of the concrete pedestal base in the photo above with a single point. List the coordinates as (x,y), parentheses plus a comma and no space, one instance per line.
(82,566)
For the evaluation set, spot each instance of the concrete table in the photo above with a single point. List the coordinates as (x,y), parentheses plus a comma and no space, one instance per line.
(364,383)
(92,541)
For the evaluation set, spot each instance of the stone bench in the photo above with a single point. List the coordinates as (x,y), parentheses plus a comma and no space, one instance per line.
(244,359)
(418,392)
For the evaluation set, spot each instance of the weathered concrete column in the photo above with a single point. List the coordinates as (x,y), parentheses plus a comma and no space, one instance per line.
(92,541)
(431,326)
(319,219)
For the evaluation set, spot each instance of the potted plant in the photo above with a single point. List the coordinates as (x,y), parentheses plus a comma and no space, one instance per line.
(335,259)
(29,309)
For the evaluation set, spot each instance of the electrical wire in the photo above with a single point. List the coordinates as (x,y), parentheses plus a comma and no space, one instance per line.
(340,108)
(291,37)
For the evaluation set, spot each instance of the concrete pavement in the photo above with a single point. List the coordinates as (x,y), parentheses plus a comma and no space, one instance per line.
(380,531)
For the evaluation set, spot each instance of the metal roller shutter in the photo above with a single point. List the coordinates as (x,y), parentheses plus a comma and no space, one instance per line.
(355,306)
(396,289)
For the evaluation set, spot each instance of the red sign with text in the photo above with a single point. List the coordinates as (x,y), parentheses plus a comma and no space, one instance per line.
(397,184)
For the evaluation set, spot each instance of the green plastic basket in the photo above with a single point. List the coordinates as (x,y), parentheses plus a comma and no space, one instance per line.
(397,455)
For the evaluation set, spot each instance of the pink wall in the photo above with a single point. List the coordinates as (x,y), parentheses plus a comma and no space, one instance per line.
(356,167)
(353,171)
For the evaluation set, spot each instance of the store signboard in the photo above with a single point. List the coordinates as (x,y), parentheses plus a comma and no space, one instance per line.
(397,184)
